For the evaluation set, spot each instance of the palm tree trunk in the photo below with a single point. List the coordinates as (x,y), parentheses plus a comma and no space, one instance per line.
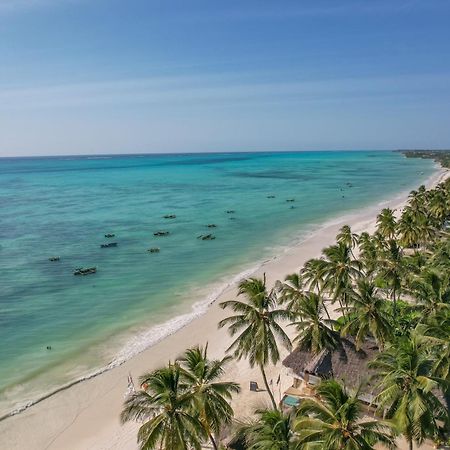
(411,447)
(268,387)
(341,307)
(213,442)
(346,302)
(328,314)
(394,302)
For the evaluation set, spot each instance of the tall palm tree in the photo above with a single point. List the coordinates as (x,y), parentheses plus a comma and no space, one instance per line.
(257,323)
(438,206)
(291,291)
(335,421)
(381,243)
(270,431)
(431,289)
(415,262)
(386,223)
(339,271)
(441,255)
(406,387)
(408,228)
(210,396)
(436,335)
(393,270)
(368,253)
(416,198)
(315,333)
(367,315)
(426,229)
(313,273)
(348,238)
(165,406)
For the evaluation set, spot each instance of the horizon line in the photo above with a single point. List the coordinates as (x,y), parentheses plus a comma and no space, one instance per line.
(81,155)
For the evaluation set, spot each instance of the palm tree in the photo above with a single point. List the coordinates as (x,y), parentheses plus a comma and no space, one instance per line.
(291,291)
(441,255)
(348,238)
(416,198)
(257,322)
(432,292)
(408,228)
(406,388)
(315,333)
(270,431)
(381,243)
(438,206)
(386,223)
(339,271)
(415,262)
(313,273)
(436,334)
(426,229)
(393,270)
(165,406)
(367,315)
(368,253)
(436,337)
(210,396)
(335,421)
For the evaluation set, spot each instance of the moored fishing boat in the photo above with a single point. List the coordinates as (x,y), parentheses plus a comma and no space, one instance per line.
(85,271)
(109,244)
(161,233)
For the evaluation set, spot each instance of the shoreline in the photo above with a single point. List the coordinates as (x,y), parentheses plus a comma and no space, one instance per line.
(137,342)
(87,410)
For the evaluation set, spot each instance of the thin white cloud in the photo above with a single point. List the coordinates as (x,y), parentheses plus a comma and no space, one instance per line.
(225,88)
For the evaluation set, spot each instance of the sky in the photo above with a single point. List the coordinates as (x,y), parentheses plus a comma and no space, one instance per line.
(144,76)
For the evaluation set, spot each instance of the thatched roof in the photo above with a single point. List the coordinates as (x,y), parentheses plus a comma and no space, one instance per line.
(345,363)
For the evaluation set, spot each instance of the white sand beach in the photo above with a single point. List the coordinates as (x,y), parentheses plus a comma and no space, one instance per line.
(86,416)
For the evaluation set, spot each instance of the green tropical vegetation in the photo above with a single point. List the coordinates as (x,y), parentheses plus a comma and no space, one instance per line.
(335,420)
(390,287)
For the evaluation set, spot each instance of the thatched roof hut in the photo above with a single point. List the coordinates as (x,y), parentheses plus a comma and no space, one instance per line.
(345,363)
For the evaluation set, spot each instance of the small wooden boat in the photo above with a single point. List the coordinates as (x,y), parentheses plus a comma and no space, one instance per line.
(109,244)
(290,200)
(153,250)
(54,258)
(206,237)
(85,271)
(231,211)
(271,196)
(161,233)
(110,235)
(170,216)
(211,225)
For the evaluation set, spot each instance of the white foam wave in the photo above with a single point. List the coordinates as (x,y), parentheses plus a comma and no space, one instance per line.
(148,338)
(145,339)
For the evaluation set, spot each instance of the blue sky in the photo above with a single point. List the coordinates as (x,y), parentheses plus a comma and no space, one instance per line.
(116,76)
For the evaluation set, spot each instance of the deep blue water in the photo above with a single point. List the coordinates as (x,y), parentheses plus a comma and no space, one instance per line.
(64,206)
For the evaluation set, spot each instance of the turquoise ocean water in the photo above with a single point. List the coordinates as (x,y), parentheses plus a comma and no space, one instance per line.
(64,206)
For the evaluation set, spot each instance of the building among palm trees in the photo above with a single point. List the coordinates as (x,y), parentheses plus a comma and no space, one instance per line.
(346,363)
